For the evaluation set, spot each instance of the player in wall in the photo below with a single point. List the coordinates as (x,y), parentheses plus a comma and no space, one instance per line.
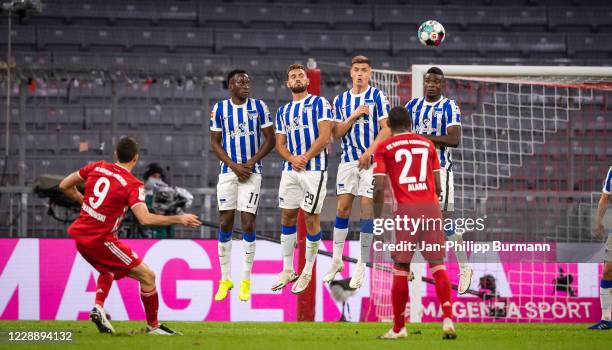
(360,116)
(303,131)
(110,189)
(410,163)
(438,119)
(605,290)
(241,135)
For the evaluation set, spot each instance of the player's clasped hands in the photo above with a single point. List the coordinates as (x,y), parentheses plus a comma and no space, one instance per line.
(299,162)
(190,220)
(243,171)
(361,110)
(365,161)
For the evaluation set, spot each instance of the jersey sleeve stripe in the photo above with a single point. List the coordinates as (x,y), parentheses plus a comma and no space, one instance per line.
(608,183)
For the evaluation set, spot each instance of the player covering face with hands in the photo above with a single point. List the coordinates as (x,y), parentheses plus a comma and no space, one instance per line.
(110,190)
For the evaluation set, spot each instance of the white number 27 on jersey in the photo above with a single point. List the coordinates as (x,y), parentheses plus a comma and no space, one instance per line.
(100,191)
(402,154)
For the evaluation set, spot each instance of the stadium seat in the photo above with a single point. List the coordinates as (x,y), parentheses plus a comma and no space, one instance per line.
(22,37)
(305,16)
(524,43)
(98,116)
(589,45)
(265,64)
(459,44)
(581,19)
(226,15)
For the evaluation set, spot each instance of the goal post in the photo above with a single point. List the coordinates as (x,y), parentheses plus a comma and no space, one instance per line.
(533,139)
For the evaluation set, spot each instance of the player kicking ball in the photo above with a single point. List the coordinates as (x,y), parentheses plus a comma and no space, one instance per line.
(605,290)
(361,122)
(413,168)
(303,131)
(110,189)
(438,119)
(236,129)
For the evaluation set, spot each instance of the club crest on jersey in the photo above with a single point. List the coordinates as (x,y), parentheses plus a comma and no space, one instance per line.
(296,120)
(252,114)
(369,102)
(438,112)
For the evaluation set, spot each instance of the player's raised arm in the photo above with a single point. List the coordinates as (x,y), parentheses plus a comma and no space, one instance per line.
(341,127)
(69,184)
(380,172)
(383,134)
(451,139)
(324,124)
(382,107)
(145,218)
(452,136)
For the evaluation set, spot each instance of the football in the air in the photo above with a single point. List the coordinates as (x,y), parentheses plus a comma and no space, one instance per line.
(431,33)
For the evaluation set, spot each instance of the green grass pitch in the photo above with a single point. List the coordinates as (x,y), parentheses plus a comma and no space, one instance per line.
(313,336)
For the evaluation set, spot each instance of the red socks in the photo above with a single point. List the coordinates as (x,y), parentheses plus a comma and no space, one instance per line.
(443,289)
(105,281)
(399,297)
(151,305)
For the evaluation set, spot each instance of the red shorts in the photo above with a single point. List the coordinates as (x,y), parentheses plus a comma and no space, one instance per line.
(109,256)
(428,240)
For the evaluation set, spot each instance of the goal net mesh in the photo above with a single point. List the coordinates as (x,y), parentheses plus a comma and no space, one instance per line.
(533,154)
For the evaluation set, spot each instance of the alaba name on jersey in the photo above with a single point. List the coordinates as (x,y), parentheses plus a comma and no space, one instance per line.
(364,130)
(110,190)
(299,121)
(607,185)
(410,161)
(240,127)
(433,118)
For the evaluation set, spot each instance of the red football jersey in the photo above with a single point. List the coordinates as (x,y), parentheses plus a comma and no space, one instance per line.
(410,161)
(110,190)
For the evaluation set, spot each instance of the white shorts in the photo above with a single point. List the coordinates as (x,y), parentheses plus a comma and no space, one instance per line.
(233,194)
(303,189)
(351,179)
(447,197)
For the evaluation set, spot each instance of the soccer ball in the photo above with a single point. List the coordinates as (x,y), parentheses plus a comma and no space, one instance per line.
(431,33)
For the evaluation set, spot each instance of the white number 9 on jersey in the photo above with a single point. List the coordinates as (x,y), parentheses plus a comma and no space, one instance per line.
(407,154)
(100,191)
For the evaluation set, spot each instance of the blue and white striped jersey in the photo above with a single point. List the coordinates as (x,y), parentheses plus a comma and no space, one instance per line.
(299,121)
(364,130)
(607,185)
(240,127)
(433,119)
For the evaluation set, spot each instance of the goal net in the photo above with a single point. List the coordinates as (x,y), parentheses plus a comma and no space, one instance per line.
(534,150)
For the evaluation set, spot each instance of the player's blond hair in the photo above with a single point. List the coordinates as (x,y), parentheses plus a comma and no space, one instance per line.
(360,59)
(294,67)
